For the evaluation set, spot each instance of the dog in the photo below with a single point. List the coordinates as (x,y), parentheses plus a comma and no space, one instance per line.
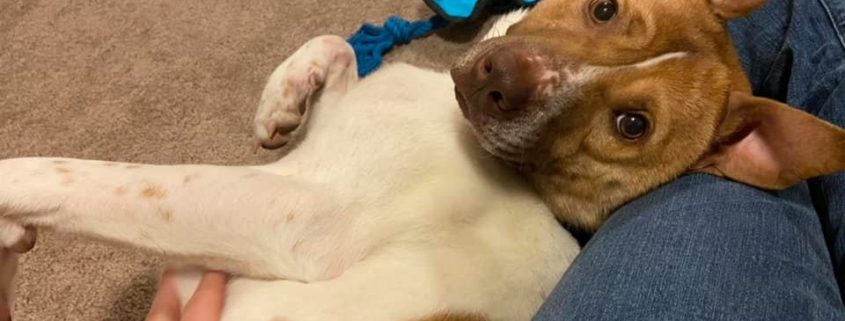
(385,209)
(601,101)
(388,208)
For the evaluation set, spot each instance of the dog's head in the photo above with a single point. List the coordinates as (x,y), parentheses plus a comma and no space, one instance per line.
(603,100)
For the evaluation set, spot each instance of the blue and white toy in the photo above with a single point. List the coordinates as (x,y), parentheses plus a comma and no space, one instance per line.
(372,42)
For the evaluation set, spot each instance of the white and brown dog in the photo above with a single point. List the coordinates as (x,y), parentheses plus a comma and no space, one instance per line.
(388,208)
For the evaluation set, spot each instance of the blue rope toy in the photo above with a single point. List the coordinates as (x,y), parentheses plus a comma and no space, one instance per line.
(372,42)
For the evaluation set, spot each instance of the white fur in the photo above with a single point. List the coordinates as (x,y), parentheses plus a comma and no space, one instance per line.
(386,210)
(651,62)
(500,27)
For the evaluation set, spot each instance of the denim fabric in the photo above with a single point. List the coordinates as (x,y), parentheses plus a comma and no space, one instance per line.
(704,248)
(803,49)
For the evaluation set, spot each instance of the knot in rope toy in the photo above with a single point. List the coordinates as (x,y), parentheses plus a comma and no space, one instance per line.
(372,42)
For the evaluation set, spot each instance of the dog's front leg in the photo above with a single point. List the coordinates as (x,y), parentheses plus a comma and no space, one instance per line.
(322,69)
(237,219)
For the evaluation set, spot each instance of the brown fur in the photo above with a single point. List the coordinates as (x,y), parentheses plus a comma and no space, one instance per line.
(153,191)
(165,214)
(768,144)
(63,170)
(579,153)
(581,165)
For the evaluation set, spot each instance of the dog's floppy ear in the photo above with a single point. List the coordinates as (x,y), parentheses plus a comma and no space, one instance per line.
(767,144)
(729,9)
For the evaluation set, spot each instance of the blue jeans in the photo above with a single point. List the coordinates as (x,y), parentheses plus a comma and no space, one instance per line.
(704,248)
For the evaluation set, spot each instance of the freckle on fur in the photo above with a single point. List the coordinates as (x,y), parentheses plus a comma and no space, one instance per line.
(165,214)
(120,190)
(290,217)
(287,94)
(63,170)
(153,191)
(133,166)
(189,178)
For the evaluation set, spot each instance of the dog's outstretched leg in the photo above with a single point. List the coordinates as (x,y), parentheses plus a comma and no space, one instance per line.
(238,219)
(322,69)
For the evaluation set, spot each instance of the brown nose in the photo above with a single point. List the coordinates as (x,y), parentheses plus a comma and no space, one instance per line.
(499,82)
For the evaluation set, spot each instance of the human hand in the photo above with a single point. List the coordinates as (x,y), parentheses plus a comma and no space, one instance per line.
(205,305)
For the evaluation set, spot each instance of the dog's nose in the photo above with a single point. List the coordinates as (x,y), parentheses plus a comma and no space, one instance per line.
(501,81)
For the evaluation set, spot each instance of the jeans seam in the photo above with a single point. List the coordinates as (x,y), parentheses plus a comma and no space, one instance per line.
(785,45)
(771,68)
(833,22)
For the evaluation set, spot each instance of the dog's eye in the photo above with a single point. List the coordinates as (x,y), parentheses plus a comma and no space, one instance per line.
(632,125)
(604,10)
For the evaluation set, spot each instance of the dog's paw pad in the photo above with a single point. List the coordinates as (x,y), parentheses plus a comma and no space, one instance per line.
(318,65)
(281,111)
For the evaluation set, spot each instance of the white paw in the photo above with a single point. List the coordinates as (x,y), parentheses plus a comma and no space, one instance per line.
(320,63)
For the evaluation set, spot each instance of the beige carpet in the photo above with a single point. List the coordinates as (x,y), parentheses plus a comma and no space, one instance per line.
(153,81)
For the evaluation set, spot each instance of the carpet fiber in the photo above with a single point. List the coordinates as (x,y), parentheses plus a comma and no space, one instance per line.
(151,81)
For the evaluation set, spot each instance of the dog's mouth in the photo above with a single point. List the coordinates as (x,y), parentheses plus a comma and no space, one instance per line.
(508,92)
(508,140)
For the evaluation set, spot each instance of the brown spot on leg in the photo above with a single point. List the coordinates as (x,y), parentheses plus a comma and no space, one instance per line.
(133,166)
(165,214)
(153,191)
(290,217)
(67,180)
(120,190)
(189,178)
(63,170)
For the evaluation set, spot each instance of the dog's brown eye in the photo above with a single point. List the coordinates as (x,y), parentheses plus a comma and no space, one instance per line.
(632,125)
(605,10)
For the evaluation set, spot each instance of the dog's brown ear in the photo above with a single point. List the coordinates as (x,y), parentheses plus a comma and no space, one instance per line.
(767,144)
(730,9)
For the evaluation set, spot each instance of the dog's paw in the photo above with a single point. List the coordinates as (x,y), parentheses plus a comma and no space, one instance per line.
(284,102)
(319,65)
